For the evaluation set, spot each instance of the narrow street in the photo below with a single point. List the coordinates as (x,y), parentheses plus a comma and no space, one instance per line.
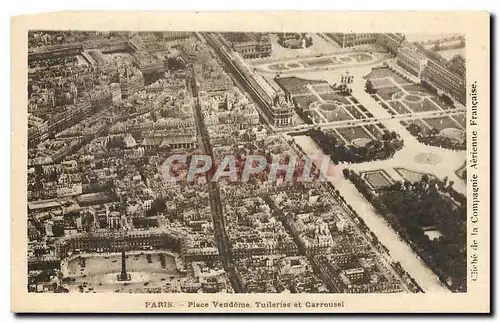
(221,236)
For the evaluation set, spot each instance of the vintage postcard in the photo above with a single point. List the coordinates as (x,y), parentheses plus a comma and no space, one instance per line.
(260,162)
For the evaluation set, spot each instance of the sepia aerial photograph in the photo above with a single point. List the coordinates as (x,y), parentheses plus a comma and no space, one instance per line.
(246,162)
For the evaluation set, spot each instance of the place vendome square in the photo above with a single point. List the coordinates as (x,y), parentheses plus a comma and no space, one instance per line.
(251,162)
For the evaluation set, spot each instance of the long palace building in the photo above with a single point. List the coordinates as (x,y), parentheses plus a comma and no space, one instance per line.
(448,76)
(277,106)
(116,241)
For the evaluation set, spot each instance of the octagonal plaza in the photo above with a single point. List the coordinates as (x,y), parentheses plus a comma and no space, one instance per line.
(99,272)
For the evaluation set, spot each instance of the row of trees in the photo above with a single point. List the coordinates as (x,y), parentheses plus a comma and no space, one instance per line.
(369,87)
(374,150)
(411,207)
(446,99)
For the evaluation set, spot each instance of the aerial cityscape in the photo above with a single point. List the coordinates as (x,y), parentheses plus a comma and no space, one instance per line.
(153,162)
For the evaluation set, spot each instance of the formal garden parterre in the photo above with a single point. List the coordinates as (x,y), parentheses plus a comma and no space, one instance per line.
(398,96)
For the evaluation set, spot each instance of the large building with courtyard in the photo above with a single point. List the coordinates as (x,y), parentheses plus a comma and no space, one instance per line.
(353,39)
(250,45)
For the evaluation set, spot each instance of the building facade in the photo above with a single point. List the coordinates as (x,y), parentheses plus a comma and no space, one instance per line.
(390,41)
(131,81)
(114,242)
(175,35)
(448,77)
(250,45)
(353,39)
(281,110)
(411,60)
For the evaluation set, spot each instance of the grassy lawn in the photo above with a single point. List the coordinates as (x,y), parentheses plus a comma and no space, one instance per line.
(361,57)
(441,123)
(377,73)
(410,175)
(385,72)
(322,88)
(354,111)
(277,67)
(296,85)
(416,87)
(333,96)
(399,107)
(318,62)
(461,120)
(374,130)
(382,83)
(353,133)
(426,105)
